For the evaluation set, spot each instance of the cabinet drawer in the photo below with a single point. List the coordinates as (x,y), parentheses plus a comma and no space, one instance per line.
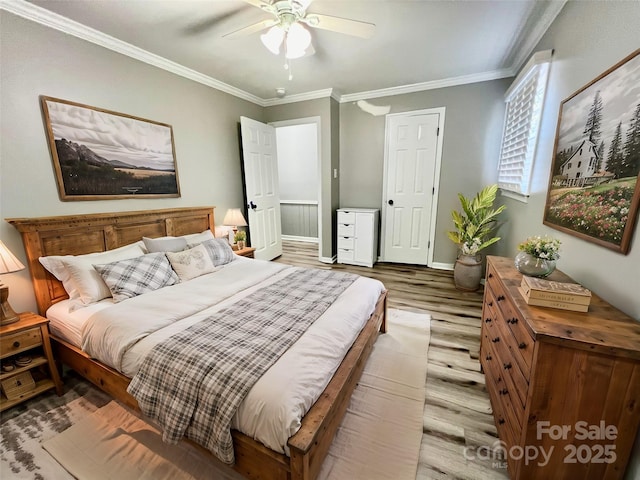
(346,243)
(345,255)
(19,342)
(510,355)
(345,230)
(347,217)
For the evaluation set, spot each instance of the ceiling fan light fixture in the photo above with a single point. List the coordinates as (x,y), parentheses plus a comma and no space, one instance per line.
(297,41)
(273,39)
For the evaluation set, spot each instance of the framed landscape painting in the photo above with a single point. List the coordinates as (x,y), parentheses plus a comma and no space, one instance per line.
(594,190)
(98,154)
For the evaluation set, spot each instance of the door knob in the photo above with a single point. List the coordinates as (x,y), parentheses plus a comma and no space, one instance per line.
(390,202)
(252,205)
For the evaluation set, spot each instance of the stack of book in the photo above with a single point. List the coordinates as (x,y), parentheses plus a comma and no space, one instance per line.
(546,293)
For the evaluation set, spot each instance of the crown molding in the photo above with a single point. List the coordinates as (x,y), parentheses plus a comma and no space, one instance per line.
(419,87)
(47,18)
(552,10)
(299,97)
(53,20)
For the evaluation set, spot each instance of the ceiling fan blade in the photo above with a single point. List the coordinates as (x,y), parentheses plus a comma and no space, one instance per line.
(209,23)
(341,25)
(264,4)
(256,27)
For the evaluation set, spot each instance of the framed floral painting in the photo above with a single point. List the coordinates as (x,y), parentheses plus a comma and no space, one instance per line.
(594,190)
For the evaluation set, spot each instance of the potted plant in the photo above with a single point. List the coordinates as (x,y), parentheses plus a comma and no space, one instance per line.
(475,226)
(240,237)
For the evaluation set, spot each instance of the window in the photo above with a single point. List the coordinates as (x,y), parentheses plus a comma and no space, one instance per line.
(524,99)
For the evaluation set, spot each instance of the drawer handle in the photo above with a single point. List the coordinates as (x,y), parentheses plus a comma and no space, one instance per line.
(501,421)
(504,391)
(522,346)
(490,304)
(512,321)
(16,344)
(507,366)
(496,340)
(491,275)
(488,357)
(500,298)
(487,320)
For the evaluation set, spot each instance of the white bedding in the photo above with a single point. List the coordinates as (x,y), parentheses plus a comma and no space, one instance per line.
(121,335)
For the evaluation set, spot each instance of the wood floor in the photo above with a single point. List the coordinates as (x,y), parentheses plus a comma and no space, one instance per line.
(458,425)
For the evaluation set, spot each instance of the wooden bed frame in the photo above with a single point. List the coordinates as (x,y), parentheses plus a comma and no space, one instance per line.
(81,234)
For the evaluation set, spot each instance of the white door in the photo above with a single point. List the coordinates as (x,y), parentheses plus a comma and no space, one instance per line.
(411,171)
(262,188)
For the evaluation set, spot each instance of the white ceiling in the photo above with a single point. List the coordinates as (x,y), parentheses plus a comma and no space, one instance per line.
(416,44)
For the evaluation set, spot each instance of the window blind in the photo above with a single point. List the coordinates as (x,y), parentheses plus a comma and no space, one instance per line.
(524,102)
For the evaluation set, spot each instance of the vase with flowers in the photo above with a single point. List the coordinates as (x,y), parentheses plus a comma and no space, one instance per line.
(537,256)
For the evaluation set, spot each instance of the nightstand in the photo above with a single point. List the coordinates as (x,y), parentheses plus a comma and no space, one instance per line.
(28,337)
(245,252)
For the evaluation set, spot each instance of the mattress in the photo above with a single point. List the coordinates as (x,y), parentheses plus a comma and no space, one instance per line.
(273,409)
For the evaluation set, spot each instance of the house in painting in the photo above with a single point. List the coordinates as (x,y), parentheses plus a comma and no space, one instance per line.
(582,164)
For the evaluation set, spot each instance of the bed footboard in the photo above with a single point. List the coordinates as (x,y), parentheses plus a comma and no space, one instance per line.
(308,447)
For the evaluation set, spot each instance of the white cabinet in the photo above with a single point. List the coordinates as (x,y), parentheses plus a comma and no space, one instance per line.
(358,236)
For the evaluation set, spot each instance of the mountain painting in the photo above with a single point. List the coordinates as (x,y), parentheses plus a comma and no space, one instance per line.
(99,155)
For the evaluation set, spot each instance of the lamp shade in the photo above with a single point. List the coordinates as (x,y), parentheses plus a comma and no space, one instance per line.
(234,218)
(8,262)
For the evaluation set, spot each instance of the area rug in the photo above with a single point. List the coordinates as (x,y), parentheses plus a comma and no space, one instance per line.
(379,437)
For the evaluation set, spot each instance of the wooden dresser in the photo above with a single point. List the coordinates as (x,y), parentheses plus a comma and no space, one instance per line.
(564,386)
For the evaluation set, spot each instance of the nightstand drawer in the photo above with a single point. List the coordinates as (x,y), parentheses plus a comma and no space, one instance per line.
(19,342)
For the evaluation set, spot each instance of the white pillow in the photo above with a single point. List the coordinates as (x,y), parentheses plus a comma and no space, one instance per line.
(196,238)
(80,280)
(165,244)
(135,276)
(191,263)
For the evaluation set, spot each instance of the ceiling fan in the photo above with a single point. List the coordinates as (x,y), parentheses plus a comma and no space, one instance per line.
(287,27)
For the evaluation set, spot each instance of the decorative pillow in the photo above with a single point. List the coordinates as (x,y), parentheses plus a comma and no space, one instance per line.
(83,284)
(191,263)
(165,244)
(133,277)
(220,251)
(197,238)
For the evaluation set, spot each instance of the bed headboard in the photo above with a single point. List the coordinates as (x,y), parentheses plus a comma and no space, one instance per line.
(97,232)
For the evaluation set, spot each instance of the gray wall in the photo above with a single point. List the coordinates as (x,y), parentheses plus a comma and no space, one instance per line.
(41,61)
(473,127)
(579,57)
(588,38)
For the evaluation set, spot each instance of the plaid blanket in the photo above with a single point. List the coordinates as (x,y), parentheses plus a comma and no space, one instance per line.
(193,382)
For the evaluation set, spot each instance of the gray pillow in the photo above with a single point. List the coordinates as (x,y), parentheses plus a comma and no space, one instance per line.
(133,277)
(220,251)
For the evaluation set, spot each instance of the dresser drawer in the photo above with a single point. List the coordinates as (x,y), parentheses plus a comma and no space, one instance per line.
(346,243)
(19,342)
(505,417)
(347,217)
(522,345)
(511,360)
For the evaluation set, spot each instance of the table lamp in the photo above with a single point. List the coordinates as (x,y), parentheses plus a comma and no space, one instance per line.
(8,264)
(235,219)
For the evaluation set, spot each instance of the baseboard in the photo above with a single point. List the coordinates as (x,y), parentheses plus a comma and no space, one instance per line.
(294,238)
(328,259)
(442,266)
